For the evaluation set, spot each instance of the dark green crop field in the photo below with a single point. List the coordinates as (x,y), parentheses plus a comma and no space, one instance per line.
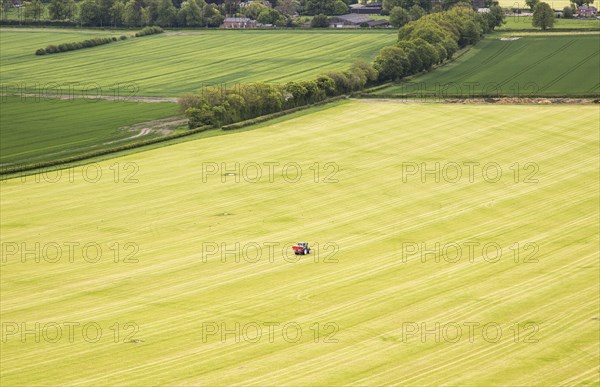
(33,131)
(530,66)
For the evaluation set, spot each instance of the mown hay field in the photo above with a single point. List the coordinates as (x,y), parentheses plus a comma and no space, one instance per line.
(177,269)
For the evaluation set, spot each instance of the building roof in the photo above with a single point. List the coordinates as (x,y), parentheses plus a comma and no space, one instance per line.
(378,23)
(237,20)
(353,18)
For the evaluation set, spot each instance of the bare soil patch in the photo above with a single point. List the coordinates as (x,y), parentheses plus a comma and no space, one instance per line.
(163,127)
(524,101)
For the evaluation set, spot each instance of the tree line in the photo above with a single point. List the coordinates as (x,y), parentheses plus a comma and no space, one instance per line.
(430,40)
(433,39)
(124,13)
(175,13)
(199,13)
(217,106)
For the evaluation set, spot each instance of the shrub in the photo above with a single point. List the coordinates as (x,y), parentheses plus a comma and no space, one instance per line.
(40,51)
(63,47)
(123,37)
(366,69)
(198,117)
(399,17)
(149,31)
(187,101)
(320,21)
(426,52)
(409,48)
(326,84)
(295,93)
(342,84)
(355,81)
(51,49)
(392,63)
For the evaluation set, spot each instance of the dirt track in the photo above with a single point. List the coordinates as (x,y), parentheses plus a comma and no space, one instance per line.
(525,101)
(499,101)
(162,126)
(95,97)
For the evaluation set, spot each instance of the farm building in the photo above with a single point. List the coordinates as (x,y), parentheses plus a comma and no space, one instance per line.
(355,20)
(587,11)
(366,9)
(238,22)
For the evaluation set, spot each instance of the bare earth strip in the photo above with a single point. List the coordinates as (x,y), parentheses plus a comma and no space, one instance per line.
(163,127)
(103,97)
(499,101)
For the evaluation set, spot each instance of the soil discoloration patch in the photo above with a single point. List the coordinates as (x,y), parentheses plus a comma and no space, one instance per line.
(499,100)
(524,101)
(162,127)
(95,97)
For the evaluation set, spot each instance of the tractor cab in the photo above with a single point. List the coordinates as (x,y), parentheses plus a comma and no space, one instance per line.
(301,248)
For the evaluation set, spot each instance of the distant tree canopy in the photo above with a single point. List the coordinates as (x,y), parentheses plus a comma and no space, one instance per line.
(388,5)
(579,3)
(288,7)
(315,7)
(139,13)
(532,3)
(399,17)
(197,13)
(62,9)
(543,16)
(320,21)
(34,9)
(568,12)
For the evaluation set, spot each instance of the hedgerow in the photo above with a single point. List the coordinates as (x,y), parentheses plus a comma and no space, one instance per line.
(149,31)
(63,47)
(224,106)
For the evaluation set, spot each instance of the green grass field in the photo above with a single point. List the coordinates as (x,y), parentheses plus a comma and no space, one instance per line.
(366,298)
(176,62)
(35,129)
(524,23)
(533,65)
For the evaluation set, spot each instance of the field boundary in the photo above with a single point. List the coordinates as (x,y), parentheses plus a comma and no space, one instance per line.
(84,156)
(102,97)
(456,55)
(6,172)
(483,100)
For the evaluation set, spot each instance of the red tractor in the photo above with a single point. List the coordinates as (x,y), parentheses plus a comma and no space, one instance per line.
(301,248)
